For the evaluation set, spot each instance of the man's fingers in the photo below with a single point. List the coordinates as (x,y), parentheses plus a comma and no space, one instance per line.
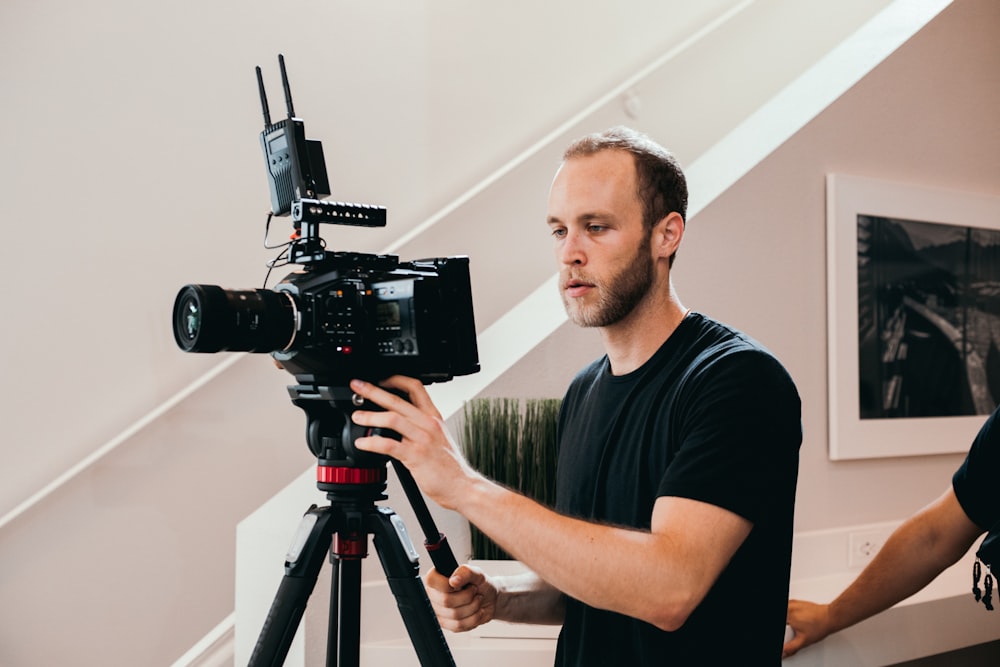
(467,617)
(415,393)
(462,576)
(378,395)
(791,647)
(458,603)
(415,390)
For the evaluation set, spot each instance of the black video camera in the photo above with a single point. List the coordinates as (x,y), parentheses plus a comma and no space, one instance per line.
(344,315)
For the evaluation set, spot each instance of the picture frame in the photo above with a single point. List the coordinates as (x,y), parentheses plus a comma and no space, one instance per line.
(913,282)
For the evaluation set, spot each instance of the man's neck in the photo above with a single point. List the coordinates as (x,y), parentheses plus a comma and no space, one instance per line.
(631,342)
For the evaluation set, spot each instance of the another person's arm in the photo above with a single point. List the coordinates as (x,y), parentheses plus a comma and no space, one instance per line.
(918,551)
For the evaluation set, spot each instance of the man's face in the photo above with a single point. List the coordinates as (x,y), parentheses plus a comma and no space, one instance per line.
(603,248)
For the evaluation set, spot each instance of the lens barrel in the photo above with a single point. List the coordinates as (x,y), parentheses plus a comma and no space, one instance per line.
(208,318)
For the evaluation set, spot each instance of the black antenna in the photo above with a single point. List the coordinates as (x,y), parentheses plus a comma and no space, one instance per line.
(263,99)
(284,83)
(295,166)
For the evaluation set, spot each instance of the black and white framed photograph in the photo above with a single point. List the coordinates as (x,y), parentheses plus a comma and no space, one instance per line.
(913,285)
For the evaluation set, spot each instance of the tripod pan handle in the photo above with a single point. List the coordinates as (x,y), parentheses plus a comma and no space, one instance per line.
(441,555)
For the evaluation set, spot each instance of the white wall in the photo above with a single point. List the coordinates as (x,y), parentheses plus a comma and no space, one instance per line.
(133,165)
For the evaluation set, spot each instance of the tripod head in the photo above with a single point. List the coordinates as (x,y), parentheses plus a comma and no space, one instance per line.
(351,476)
(330,435)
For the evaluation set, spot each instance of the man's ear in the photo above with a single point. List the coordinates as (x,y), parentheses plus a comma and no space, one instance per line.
(667,234)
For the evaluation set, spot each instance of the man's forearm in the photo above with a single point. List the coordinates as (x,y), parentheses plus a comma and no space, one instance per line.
(917,552)
(898,571)
(658,576)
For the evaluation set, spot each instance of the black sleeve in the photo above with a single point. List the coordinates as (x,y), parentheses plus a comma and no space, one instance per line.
(741,431)
(974,481)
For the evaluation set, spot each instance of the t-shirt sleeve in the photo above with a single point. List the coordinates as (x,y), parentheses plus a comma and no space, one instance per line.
(740,434)
(974,481)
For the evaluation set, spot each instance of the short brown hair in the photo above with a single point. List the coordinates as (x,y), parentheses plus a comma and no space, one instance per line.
(662,187)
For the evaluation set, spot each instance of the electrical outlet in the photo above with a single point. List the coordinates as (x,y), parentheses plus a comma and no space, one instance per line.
(862,545)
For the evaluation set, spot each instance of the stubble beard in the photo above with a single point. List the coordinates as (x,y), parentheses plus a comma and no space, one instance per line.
(618,295)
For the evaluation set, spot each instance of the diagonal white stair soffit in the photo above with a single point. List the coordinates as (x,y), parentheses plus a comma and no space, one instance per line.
(723,164)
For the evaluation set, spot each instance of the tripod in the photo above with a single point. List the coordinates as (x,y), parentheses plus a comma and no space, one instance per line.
(353,480)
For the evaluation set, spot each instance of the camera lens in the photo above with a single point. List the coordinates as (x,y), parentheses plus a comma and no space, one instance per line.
(208,318)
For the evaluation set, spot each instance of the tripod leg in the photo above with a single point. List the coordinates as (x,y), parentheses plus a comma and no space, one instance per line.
(344,648)
(400,563)
(333,622)
(305,558)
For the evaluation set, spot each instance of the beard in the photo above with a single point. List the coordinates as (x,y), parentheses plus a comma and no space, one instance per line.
(618,295)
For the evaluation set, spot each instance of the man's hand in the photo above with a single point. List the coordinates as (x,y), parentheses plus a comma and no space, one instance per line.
(464,601)
(811,623)
(426,448)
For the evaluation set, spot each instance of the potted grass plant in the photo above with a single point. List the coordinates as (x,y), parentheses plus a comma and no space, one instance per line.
(511,441)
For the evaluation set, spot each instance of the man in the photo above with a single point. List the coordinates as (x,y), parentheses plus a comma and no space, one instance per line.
(678,450)
(920,549)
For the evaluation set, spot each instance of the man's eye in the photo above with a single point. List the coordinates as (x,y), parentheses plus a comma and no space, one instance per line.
(558,233)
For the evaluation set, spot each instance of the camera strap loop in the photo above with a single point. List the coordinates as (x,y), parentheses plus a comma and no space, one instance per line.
(985,594)
(988,595)
(977,572)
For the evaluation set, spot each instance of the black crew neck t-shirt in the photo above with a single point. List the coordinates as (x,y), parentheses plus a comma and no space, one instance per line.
(711,416)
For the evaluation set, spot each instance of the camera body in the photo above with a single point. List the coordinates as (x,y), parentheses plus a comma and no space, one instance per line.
(343,315)
(350,316)
(375,317)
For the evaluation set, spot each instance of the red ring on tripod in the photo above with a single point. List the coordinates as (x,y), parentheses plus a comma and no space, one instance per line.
(356,476)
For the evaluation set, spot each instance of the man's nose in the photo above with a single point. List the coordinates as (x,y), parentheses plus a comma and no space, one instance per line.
(570,251)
